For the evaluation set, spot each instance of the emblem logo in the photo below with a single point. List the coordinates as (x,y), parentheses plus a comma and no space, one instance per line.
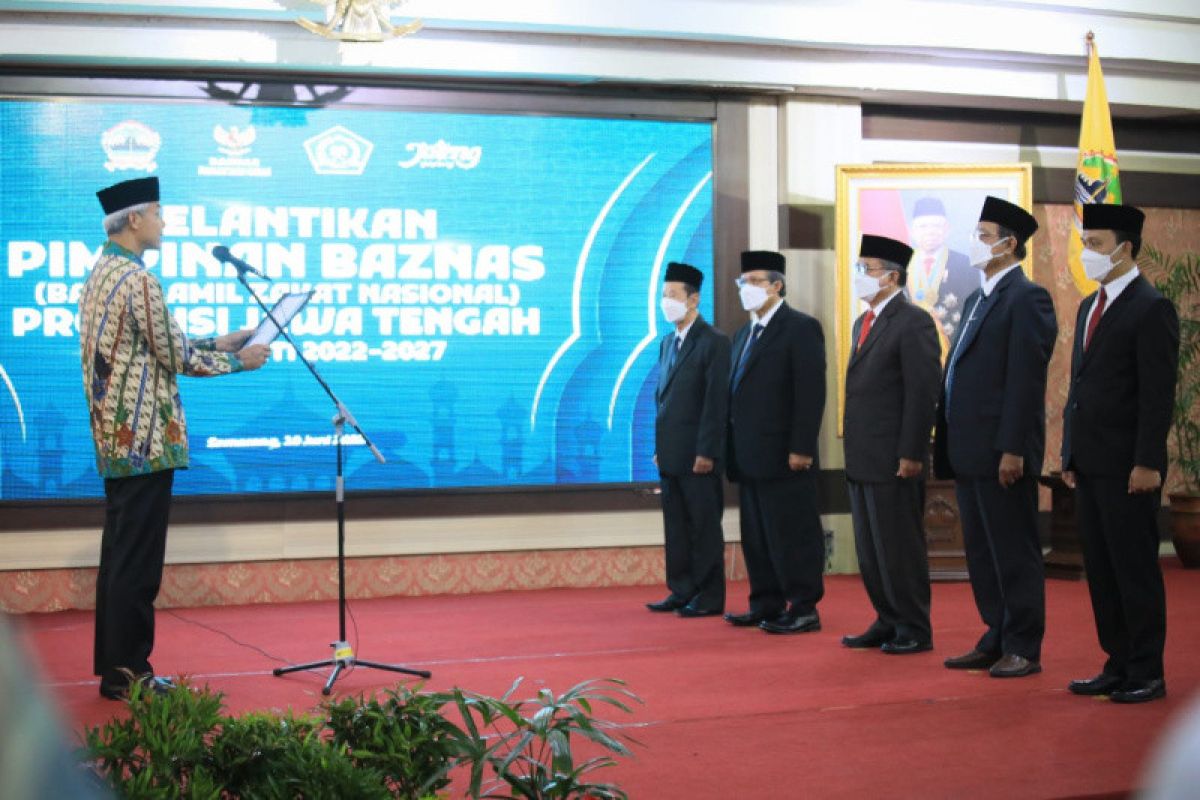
(338,151)
(131,145)
(234,145)
(442,155)
(234,141)
(1096,180)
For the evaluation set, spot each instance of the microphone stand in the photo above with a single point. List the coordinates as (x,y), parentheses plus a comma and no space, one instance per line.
(343,653)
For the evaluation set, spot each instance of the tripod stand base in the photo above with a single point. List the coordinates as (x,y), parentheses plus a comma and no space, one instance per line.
(343,657)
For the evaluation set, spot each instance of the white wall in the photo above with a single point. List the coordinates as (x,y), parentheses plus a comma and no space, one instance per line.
(977,53)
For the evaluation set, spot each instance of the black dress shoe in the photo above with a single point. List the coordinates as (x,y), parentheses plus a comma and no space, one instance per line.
(1101,684)
(873,638)
(669,604)
(1012,666)
(110,692)
(747,620)
(691,611)
(1140,691)
(976,659)
(151,684)
(792,623)
(903,645)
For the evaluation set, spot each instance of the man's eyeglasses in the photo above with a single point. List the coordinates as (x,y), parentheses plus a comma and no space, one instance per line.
(984,236)
(863,269)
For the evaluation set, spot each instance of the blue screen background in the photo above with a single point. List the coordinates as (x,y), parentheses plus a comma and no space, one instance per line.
(601,204)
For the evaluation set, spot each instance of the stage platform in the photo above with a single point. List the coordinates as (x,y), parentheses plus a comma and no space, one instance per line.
(729,713)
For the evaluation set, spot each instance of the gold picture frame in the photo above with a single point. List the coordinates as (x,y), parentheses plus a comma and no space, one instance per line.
(933,207)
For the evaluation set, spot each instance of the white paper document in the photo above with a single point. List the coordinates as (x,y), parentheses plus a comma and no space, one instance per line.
(284,309)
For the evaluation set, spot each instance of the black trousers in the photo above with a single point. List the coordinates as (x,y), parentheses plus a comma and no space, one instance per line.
(695,544)
(889,538)
(131,564)
(783,543)
(1004,560)
(1120,552)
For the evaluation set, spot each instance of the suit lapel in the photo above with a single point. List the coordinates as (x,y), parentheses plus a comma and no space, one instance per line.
(663,377)
(1085,308)
(735,354)
(878,328)
(1110,316)
(689,344)
(765,338)
(987,303)
(966,328)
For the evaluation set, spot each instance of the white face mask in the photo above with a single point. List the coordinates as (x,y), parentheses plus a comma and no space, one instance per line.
(981,252)
(674,310)
(752,296)
(866,287)
(1097,265)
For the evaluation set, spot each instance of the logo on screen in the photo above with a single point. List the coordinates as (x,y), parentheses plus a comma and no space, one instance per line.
(131,145)
(442,155)
(338,151)
(234,145)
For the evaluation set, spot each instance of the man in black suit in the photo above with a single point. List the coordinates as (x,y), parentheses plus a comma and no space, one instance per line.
(777,396)
(1115,424)
(991,433)
(891,395)
(689,446)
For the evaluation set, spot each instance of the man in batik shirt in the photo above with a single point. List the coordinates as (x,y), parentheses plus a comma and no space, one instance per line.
(131,351)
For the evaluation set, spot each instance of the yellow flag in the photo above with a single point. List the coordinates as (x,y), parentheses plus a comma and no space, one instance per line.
(1097,179)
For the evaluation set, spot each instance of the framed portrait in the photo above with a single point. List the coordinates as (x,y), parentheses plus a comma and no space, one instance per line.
(932,207)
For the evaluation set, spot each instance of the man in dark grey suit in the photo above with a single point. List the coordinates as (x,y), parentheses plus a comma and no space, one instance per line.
(991,434)
(689,447)
(777,396)
(891,396)
(1115,425)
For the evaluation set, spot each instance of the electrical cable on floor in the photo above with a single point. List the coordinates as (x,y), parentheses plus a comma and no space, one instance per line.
(233,639)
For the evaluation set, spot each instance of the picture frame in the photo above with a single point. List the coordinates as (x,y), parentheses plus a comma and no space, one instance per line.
(932,207)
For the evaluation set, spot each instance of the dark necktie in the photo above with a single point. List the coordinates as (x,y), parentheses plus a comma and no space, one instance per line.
(1095,320)
(866,328)
(672,353)
(755,332)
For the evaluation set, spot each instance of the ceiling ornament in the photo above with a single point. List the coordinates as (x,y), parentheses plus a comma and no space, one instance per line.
(360,21)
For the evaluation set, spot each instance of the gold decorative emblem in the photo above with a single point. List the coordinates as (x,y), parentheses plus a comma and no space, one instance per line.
(360,21)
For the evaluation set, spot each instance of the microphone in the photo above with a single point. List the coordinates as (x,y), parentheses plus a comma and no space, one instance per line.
(221,253)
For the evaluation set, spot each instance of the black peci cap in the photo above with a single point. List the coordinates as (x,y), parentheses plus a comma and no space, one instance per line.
(762,259)
(1108,217)
(1009,215)
(885,248)
(929,207)
(678,272)
(127,194)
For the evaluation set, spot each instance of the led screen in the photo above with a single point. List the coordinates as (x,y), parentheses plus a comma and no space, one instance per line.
(486,287)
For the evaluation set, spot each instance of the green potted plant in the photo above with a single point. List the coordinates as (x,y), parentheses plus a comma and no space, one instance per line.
(401,744)
(1178,278)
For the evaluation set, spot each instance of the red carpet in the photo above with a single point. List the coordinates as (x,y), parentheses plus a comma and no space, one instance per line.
(728,713)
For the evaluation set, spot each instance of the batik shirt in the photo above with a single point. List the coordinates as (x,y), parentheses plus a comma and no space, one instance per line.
(131,350)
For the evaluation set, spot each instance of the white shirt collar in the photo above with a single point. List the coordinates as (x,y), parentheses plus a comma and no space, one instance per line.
(990,283)
(1117,285)
(681,335)
(878,309)
(765,319)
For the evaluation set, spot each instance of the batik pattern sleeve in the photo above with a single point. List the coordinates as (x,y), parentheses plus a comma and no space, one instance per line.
(168,343)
